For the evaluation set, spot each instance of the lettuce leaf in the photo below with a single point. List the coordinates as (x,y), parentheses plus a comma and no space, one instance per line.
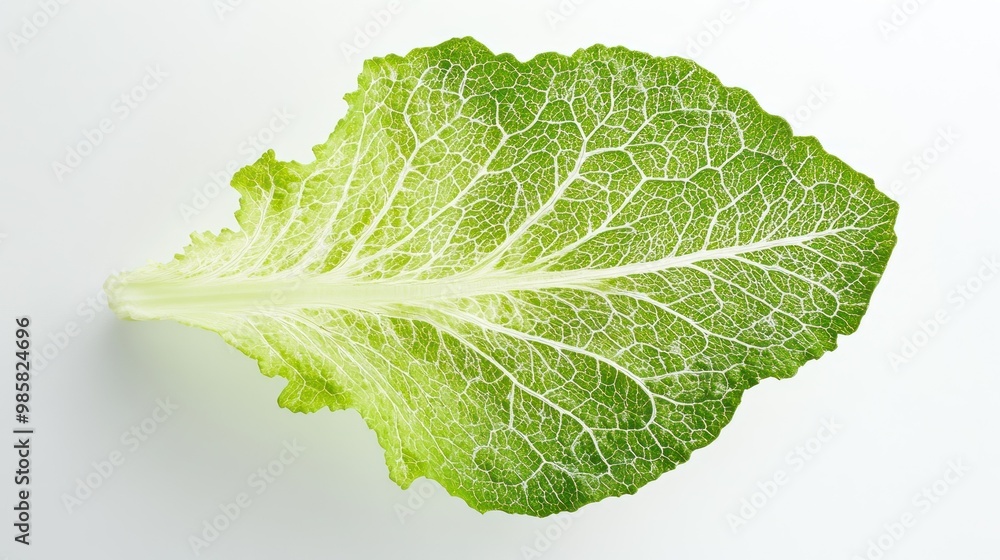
(541,283)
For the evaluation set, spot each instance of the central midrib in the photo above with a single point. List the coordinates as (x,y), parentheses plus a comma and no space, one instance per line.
(150,299)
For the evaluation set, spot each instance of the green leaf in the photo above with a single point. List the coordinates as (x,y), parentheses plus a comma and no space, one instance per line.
(541,283)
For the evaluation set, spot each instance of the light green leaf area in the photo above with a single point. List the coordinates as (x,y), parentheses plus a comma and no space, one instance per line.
(540,283)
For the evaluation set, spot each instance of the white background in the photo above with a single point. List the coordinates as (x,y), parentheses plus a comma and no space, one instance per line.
(876,93)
